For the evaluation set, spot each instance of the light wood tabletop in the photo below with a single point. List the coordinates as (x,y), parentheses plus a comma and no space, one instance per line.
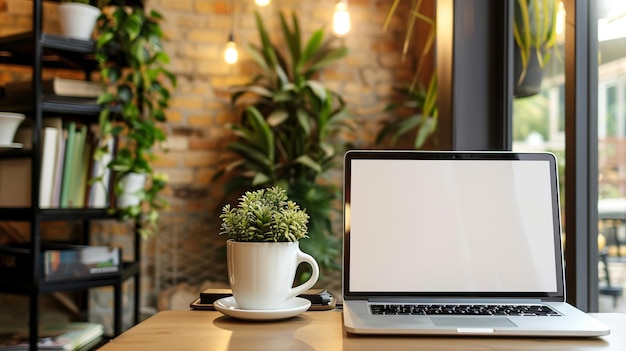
(323,330)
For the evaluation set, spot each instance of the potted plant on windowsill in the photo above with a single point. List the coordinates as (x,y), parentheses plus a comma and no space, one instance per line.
(132,62)
(263,251)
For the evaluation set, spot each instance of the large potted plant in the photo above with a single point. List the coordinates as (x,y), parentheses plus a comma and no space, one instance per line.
(415,110)
(287,135)
(263,252)
(132,64)
(534,31)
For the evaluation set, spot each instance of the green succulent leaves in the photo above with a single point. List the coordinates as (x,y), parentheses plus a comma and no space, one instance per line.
(265,215)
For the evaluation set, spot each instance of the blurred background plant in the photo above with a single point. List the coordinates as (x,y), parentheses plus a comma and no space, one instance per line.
(415,107)
(289,131)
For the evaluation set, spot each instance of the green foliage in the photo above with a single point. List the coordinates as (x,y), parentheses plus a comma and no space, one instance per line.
(534,27)
(265,215)
(531,116)
(287,132)
(289,128)
(423,122)
(318,199)
(132,62)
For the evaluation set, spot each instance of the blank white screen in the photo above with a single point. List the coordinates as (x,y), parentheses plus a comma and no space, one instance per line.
(451,226)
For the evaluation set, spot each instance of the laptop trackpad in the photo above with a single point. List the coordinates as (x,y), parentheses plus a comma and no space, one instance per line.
(472,322)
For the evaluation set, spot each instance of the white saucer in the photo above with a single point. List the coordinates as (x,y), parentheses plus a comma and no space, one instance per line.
(11,146)
(294,307)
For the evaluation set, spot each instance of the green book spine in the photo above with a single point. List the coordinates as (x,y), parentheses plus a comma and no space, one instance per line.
(67,165)
(76,192)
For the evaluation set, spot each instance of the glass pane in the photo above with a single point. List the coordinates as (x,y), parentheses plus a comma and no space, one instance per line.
(612,154)
(539,119)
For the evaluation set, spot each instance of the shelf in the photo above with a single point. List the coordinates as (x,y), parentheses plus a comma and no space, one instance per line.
(15,153)
(44,51)
(58,51)
(23,287)
(54,214)
(55,104)
(72,105)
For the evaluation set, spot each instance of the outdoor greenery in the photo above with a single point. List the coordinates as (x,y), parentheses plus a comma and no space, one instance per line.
(420,101)
(288,135)
(132,62)
(265,215)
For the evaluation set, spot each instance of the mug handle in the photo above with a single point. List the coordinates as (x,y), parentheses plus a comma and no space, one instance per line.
(315,273)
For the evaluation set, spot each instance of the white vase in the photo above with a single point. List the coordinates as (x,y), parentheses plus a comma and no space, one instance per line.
(77,20)
(132,183)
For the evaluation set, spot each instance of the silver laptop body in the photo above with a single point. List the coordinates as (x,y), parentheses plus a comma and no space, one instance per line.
(455,243)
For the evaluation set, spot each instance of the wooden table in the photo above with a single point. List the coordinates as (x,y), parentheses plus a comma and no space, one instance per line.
(323,330)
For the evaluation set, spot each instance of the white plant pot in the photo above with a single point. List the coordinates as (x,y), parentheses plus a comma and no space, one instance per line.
(261,274)
(132,183)
(9,122)
(77,20)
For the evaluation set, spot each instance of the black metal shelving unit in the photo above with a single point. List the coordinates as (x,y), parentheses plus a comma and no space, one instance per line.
(40,51)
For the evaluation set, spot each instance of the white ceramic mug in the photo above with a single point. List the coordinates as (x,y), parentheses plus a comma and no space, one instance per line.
(261,274)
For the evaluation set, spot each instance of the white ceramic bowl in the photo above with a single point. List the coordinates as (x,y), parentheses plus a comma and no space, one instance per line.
(9,122)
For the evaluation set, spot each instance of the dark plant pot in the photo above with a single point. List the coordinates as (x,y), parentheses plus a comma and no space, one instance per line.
(531,82)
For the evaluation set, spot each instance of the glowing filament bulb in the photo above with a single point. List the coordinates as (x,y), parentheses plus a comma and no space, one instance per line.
(341,18)
(262,2)
(230,54)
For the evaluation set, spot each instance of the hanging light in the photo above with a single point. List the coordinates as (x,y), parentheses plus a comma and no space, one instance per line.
(262,2)
(341,18)
(230,53)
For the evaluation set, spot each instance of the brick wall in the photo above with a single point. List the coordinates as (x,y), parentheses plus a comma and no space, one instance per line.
(188,248)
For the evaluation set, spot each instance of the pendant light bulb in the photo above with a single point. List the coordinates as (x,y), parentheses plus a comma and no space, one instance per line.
(262,2)
(230,53)
(341,18)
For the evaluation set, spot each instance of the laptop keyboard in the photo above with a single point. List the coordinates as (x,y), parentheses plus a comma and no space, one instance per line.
(475,310)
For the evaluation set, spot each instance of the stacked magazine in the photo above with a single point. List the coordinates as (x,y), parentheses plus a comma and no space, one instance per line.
(62,336)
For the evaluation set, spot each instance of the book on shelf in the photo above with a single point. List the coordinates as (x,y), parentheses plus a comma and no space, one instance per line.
(49,144)
(67,166)
(68,336)
(80,262)
(60,261)
(68,172)
(56,86)
(78,165)
(58,161)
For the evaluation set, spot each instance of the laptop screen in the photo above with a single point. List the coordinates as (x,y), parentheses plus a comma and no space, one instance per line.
(451,224)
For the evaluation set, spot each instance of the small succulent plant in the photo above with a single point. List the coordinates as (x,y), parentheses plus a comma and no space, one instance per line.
(265,215)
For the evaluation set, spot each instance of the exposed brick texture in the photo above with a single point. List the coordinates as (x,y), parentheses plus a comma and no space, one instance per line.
(188,247)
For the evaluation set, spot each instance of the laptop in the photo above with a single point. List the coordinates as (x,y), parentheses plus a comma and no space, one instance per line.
(455,243)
